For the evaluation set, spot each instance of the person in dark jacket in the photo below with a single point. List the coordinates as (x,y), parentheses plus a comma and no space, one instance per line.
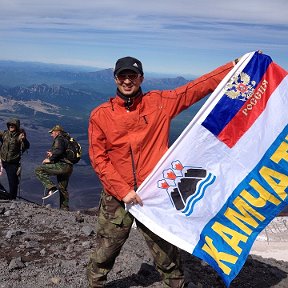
(13,144)
(55,164)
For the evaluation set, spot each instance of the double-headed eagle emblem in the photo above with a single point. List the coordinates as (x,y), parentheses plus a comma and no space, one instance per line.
(240,87)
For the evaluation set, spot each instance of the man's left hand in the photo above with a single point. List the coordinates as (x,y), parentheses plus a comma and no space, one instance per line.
(132,198)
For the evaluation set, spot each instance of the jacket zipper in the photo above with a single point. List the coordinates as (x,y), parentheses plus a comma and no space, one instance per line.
(134,170)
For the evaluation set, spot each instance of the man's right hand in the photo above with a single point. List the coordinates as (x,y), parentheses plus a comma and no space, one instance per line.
(132,198)
(238,59)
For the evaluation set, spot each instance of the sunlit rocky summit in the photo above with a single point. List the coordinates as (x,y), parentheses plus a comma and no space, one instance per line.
(46,247)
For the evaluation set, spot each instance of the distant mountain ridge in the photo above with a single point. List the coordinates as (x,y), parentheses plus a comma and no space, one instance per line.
(14,73)
(56,96)
(44,87)
(41,66)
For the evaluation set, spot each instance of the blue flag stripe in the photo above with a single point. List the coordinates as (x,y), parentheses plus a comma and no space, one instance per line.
(227,108)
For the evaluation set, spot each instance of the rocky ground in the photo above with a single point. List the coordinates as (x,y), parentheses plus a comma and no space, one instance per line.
(45,247)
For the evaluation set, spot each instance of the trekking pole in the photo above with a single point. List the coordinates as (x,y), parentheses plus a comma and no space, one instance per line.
(27,200)
(1,167)
(19,170)
(19,180)
(43,200)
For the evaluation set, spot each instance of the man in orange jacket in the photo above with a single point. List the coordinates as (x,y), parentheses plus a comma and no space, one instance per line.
(127,137)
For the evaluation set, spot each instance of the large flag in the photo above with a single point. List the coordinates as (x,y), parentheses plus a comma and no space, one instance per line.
(226,176)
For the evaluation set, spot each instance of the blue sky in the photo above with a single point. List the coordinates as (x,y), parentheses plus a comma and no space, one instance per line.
(182,37)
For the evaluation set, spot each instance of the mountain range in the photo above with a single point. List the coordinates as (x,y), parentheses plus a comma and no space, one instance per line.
(37,88)
(42,95)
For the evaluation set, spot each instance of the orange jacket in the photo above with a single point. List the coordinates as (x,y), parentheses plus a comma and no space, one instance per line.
(116,136)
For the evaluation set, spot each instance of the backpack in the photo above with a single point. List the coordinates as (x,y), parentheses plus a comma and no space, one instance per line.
(73,150)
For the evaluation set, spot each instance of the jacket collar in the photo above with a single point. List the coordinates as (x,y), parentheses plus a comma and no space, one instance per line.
(129,102)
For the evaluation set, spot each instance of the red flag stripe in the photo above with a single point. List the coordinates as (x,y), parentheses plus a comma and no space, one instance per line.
(253,107)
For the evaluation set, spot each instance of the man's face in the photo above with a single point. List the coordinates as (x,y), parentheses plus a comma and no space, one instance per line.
(128,82)
(12,127)
(54,134)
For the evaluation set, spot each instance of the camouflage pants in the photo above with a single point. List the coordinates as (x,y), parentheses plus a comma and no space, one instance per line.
(62,171)
(113,227)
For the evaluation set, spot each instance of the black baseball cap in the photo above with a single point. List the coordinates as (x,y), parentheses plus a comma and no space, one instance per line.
(128,63)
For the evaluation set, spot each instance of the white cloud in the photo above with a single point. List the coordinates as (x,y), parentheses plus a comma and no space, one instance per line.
(102,12)
(125,26)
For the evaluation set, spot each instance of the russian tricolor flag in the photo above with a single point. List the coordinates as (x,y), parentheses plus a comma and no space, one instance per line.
(245,98)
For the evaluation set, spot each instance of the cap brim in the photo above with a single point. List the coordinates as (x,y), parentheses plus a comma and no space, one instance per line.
(135,69)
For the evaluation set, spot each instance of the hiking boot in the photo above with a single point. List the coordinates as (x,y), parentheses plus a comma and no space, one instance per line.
(6,195)
(64,207)
(50,192)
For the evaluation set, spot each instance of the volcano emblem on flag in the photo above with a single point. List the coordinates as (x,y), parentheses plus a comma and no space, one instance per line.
(185,185)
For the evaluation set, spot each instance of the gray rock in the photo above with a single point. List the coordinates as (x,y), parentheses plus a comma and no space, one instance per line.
(86,244)
(10,234)
(16,263)
(43,252)
(54,251)
(13,206)
(87,230)
(69,248)
(8,213)
(32,244)
(56,280)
